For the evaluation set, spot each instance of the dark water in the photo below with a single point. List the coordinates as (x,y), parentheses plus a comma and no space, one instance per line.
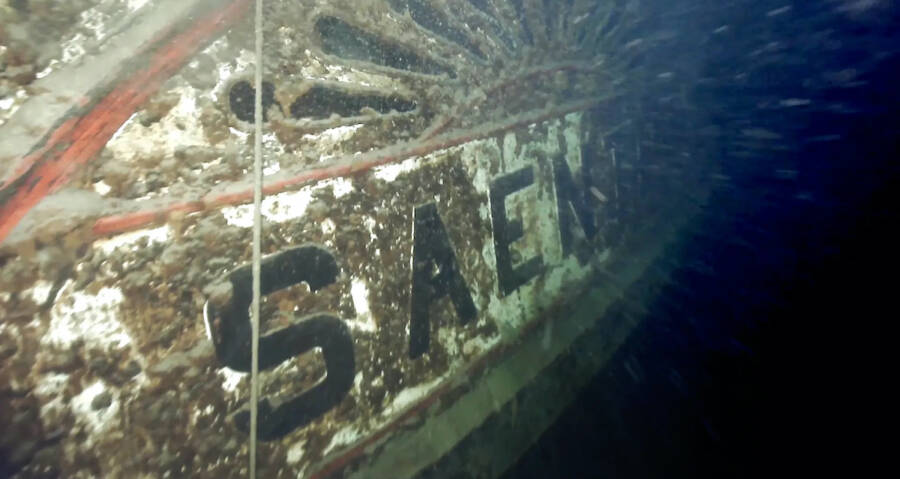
(753,358)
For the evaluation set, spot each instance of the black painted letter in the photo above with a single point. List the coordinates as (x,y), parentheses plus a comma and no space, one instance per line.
(230,328)
(435,275)
(571,204)
(507,231)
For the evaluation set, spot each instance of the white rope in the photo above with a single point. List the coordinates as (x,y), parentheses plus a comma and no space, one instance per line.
(257,238)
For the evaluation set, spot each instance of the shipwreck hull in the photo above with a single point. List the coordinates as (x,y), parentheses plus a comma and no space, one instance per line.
(455,194)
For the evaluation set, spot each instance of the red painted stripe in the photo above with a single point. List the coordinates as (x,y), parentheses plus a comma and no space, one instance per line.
(79,140)
(124,222)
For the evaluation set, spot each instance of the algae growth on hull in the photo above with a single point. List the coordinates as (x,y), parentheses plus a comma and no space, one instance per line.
(449,215)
